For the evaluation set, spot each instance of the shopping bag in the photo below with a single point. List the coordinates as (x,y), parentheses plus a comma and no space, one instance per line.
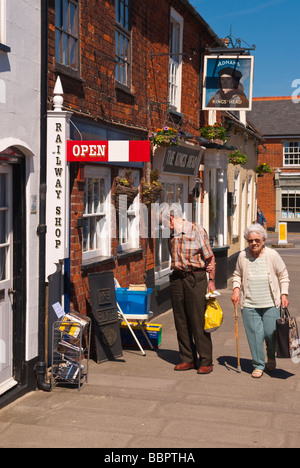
(213,314)
(287,336)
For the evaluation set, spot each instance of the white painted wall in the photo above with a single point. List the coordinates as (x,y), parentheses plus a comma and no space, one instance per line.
(20,125)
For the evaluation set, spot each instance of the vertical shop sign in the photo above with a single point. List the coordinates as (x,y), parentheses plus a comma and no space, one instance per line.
(57,205)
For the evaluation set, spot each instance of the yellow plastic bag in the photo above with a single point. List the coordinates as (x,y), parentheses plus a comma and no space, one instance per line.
(213,315)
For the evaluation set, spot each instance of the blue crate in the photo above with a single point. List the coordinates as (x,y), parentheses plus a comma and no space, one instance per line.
(134,302)
(153,330)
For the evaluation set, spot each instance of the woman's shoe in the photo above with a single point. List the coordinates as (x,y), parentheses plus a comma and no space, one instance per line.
(271,365)
(257,373)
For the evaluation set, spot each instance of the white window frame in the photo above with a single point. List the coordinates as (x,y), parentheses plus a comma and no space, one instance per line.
(129,228)
(290,154)
(175,61)
(103,213)
(3,22)
(235,202)
(291,212)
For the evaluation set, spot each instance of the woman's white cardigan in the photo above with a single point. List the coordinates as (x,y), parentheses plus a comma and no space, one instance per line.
(277,274)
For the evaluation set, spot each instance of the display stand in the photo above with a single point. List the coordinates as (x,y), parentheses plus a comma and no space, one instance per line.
(71,338)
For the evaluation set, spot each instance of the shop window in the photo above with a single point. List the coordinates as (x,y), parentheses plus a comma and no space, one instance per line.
(96,240)
(123,42)
(172,193)
(175,60)
(129,234)
(67,35)
(290,203)
(291,153)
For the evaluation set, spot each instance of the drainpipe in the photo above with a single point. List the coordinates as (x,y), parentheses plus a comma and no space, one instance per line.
(41,366)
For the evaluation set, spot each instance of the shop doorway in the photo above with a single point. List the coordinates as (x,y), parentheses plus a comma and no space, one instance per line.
(12,272)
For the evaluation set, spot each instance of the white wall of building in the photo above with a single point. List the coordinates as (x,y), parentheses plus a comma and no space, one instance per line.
(20,126)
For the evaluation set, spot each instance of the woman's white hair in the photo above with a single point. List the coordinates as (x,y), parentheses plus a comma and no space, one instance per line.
(258,229)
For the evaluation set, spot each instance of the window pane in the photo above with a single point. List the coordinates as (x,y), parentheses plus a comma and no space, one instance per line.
(2,190)
(73,58)
(73,27)
(85,234)
(170,193)
(165,253)
(65,60)
(122,14)
(3,263)
(102,192)
(65,15)
(2,227)
(117,11)
(57,46)
(58,13)
(92,233)
(179,194)
(126,17)
(90,196)
(96,196)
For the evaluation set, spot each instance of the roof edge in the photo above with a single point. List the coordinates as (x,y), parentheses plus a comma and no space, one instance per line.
(273,98)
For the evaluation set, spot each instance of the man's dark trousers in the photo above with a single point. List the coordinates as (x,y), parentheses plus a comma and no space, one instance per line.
(188,302)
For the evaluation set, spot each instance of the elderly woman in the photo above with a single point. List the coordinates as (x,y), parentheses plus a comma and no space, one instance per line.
(260,286)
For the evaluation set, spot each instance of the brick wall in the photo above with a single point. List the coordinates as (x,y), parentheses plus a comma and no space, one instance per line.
(272,154)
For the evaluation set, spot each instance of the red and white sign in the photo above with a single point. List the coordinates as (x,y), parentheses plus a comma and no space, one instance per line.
(108,151)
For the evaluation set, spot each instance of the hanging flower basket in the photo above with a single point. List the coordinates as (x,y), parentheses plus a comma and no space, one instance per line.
(151,190)
(263,169)
(124,186)
(214,132)
(236,158)
(166,136)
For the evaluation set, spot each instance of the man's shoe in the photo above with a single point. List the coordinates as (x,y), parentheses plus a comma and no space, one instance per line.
(205,370)
(184,366)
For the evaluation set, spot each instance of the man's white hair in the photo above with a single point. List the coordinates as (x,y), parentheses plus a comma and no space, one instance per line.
(258,229)
(173,209)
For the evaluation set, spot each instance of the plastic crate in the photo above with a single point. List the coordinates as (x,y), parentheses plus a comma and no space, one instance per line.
(153,331)
(134,302)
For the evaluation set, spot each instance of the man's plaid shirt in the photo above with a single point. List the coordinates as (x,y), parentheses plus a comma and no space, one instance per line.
(190,248)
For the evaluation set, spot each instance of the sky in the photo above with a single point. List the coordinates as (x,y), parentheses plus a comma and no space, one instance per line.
(273,26)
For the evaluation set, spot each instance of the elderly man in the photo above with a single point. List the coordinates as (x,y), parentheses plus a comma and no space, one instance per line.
(191,258)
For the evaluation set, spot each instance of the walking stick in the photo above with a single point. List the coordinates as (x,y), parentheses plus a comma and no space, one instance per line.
(237,339)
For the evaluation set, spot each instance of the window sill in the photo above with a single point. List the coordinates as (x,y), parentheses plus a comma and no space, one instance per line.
(4,48)
(68,72)
(128,253)
(86,264)
(90,263)
(124,89)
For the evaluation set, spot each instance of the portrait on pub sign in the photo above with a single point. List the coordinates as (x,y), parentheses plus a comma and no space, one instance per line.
(228,82)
